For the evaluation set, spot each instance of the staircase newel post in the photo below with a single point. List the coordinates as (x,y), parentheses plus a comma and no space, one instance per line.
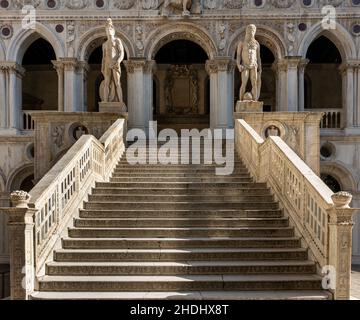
(340,244)
(21,225)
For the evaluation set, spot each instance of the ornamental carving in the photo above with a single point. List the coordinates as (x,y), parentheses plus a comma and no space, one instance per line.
(124,4)
(76,4)
(182,78)
(282,4)
(19,4)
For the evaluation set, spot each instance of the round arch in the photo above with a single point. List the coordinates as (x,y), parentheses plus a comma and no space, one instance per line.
(25,37)
(179,31)
(340,173)
(94,38)
(18,176)
(265,36)
(339,36)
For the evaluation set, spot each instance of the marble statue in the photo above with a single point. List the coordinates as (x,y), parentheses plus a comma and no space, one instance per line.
(249,64)
(113,55)
(184,5)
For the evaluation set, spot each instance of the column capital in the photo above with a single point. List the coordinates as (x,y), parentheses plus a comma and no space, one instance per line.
(303,63)
(12,66)
(69,64)
(350,65)
(83,66)
(140,63)
(293,61)
(220,64)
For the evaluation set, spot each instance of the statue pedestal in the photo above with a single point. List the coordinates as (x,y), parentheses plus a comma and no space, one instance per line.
(249,106)
(112,107)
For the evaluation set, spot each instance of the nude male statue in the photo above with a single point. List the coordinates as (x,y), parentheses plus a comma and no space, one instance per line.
(249,64)
(113,55)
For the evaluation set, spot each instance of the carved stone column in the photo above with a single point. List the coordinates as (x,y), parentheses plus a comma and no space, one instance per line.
(59,67)
(221,71)
(3,96)
(11,75)
(83,70)
(288,86)
(71,88)
(302,66)
(340,243)
(21,241)
(348,73)
(140,92)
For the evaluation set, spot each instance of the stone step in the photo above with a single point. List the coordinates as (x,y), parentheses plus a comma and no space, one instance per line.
(177,222)
(181,191)
(179,268)
(170,169)
(180,232)
(282,295)
(172,243)
(177,175)
(174,283)
(184,254)
(201,213)
(167,179)
(178,198)
(145,164)
(244,205)
(202,185)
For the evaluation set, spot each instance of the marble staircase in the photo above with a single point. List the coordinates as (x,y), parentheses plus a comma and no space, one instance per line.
(180,232)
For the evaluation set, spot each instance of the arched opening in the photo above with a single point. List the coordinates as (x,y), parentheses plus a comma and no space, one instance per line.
(40,83)
(182,90)
(95,77)
(28,183)
(331,182)
(268,80)
(21,179)
(322,75)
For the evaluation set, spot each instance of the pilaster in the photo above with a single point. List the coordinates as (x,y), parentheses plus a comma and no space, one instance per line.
(221,72)
(288,83)
(59,67)
(140,92)
(302,66)
(340,243)
(12,73)
(71,89)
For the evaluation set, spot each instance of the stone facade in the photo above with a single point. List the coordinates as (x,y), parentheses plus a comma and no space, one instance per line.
(74,29)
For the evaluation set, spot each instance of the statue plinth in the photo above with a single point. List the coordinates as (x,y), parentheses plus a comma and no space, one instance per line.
(112,107)
(249,106)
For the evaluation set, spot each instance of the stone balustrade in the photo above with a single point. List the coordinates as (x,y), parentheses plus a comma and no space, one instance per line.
(332,118)
(46,212)
(322,219)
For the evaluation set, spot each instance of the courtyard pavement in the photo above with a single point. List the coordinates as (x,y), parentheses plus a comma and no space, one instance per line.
(355,282)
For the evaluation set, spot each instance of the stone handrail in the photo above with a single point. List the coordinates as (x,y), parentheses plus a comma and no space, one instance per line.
(52,203)
(321,218)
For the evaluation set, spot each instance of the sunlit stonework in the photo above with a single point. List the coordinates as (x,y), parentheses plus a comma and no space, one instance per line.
(77,75)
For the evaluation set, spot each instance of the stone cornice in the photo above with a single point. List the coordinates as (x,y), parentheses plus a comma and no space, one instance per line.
(95,14)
